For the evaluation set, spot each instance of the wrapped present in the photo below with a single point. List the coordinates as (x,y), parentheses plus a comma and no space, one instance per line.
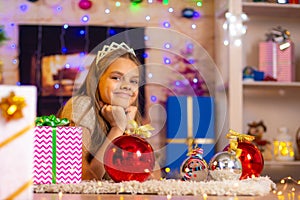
(190,122)
(57,151)
(277,57)
(17,115)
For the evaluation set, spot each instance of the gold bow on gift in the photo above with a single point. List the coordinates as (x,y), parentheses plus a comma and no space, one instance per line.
(143,131)
(12,106)
(235,137)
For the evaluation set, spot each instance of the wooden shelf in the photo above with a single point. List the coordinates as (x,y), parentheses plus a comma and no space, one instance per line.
(266,9)
(281,163)
(271,9)
(271,84)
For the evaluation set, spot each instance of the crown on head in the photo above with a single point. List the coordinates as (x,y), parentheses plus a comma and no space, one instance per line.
(113,46)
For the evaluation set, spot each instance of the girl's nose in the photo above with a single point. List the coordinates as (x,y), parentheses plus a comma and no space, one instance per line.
(125,86)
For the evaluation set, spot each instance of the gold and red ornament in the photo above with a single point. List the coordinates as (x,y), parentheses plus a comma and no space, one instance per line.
(12,106)
(251,157)
(130,157)
(85,4)
(194,168)
(226,165)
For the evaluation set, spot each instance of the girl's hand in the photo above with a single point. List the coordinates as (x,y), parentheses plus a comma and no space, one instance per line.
(115,115)
(131,112)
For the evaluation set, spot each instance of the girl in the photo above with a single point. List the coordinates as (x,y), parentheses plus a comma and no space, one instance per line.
(105,103)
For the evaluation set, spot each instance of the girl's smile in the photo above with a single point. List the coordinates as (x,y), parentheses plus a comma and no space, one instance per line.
(119,83)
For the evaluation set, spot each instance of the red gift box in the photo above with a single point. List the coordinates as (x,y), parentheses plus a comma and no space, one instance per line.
(57,154)
(277,63)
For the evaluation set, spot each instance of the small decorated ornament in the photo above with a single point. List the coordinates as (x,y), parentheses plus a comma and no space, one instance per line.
(12,106)
(226,165)
(130,157)
(85,4)
(251,157)
(194,168)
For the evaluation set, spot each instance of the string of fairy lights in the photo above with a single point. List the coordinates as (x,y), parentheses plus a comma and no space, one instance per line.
(191,12)
(234,25)
(234,28)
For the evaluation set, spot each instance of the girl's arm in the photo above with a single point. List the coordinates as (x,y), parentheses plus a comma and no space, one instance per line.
(96,168)
(118,120)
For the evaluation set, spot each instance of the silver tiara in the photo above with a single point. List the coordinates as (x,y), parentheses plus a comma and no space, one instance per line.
(113,46)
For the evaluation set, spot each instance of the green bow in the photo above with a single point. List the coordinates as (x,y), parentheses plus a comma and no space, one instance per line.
(51,120)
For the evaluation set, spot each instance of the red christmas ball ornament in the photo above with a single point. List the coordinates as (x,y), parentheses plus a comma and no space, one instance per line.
(85,4)
(251,157)
(129,157)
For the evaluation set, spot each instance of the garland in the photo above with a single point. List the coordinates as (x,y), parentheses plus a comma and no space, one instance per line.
(258,186)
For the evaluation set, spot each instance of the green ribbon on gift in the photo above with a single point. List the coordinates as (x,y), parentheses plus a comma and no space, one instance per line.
(52,121)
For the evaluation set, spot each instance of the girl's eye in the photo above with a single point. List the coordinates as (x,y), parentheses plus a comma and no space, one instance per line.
(136,82)
(116,78)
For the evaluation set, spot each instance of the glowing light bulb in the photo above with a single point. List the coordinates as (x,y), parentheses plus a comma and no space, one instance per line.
(81,32)
(226,42)
(225,26)
(58,8)
(67,66)
(56,86)
(167,60)
(118,4)
(166,24)
(23,7)
(199,4)
(167,45)
(153,98)
(238,42)
(85,18)
(14,61)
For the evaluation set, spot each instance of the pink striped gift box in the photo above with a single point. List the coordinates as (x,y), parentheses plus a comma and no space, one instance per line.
(279,64)
(57,155)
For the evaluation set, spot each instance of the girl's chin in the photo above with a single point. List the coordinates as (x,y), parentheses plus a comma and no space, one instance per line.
(121,104)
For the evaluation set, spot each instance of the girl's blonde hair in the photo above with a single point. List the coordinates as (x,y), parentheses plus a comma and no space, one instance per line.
(90,88)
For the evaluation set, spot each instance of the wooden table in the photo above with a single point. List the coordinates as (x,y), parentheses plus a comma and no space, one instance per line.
(271,196)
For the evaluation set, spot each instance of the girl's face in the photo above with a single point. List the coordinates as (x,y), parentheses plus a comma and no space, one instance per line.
(119,83)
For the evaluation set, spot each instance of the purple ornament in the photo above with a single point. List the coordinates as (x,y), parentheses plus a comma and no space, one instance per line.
(85,4)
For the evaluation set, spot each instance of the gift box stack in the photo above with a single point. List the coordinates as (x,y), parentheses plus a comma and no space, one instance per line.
(277,57)
(57,151)
(190,122)
(17,116)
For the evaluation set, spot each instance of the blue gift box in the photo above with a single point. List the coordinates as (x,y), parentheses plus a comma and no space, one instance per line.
(190,123)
